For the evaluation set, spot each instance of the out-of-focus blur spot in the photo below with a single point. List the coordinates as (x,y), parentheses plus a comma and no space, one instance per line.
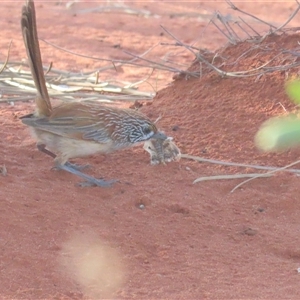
(94,265)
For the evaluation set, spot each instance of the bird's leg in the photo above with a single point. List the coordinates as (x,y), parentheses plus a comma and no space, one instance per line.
(89,180)
(77,167)
(42,148)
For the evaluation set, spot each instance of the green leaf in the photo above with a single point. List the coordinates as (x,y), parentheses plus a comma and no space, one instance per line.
(292,89)
(279,133)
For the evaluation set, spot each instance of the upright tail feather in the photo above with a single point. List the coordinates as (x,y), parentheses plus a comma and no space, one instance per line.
(30,37)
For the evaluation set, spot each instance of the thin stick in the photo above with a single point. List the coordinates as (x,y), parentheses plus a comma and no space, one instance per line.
(234,33)
(232,164)
(227,36)
(243,29)
(232,6)
(121,62)
(233,36)
(288,20)
(7,58)
(283,25)
(257,34)
(235,176)
(154,64)
(263,175)
(224,22)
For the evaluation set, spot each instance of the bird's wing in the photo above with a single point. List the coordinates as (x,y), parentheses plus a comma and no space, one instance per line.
(77,127)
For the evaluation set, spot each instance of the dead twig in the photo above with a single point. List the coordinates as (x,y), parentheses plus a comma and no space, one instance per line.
(283,25)
(232,164)
(115,63)
(287,21)
(264,174)
(7,58)
(234,176)
(17,85)
(232,6)
(228,34)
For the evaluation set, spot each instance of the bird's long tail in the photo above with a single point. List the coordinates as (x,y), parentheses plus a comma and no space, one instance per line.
(30,37)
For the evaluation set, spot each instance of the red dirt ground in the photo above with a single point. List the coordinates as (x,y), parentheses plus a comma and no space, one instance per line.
(154,235)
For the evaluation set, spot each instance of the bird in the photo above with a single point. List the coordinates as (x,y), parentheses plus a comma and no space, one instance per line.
(77,129)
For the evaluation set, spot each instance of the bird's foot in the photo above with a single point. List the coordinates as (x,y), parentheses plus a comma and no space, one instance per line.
(97,182)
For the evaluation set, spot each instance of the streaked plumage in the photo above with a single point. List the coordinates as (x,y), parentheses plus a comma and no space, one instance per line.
(77,129)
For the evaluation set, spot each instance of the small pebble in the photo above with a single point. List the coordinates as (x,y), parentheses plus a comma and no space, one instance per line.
(188,168)
(141,206)
(249,231)
(3,170)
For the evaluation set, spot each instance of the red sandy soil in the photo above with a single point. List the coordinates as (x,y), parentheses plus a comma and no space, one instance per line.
(154,235)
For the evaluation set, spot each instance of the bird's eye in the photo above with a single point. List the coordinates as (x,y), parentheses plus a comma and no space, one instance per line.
(147,130)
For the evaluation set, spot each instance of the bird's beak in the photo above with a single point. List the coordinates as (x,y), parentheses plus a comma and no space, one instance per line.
(159,136)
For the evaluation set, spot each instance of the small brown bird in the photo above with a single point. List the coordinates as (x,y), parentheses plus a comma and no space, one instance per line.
(77,129)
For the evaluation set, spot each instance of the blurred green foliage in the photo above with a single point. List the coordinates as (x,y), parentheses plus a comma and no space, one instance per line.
(292,89)
(283,132)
